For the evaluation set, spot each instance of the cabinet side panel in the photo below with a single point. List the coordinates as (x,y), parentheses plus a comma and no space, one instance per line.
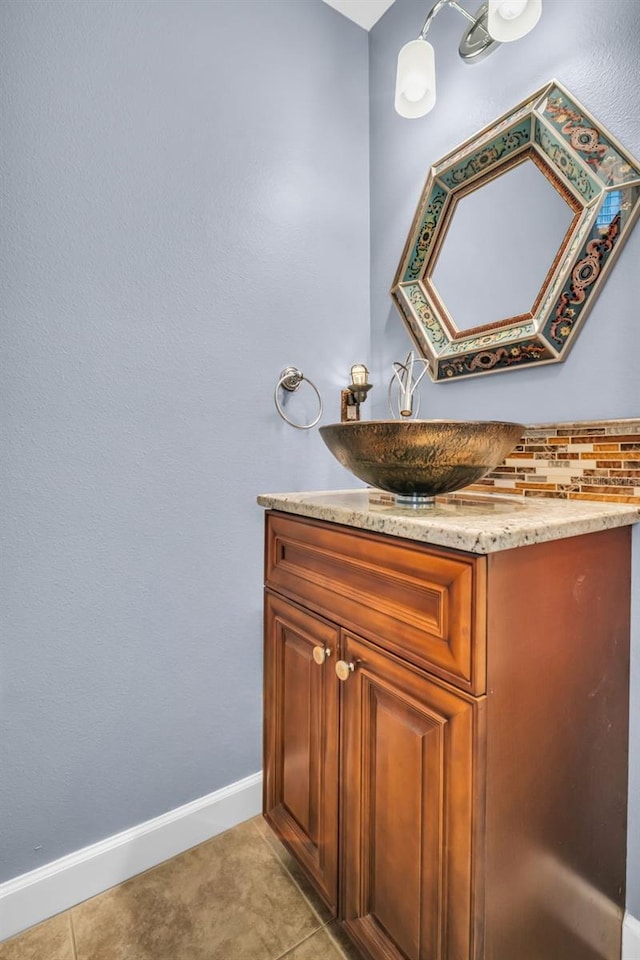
(557,737)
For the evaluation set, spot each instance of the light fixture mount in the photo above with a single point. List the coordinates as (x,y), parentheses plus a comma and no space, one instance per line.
(477,43)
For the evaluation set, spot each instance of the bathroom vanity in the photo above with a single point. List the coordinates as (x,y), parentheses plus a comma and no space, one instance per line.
(446,716)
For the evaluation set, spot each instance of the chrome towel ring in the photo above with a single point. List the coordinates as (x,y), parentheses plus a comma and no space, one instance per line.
(290,380)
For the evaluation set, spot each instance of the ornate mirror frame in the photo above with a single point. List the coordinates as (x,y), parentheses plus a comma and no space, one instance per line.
(598,179)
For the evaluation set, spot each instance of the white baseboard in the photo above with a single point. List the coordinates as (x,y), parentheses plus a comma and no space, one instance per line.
(630,938)
(41,893)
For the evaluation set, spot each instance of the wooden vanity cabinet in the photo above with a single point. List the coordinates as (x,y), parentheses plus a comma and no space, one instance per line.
(461,794)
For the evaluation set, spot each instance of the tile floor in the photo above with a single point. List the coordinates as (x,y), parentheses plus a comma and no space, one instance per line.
(239,896)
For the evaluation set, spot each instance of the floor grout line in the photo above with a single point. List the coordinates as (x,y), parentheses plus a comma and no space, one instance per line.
(289,950)
(72,932)
(323,923)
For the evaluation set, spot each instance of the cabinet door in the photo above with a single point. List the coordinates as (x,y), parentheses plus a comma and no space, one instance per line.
(412,810)
(301,738)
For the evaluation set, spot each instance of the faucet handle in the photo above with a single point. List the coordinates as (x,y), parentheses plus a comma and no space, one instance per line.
(407,384)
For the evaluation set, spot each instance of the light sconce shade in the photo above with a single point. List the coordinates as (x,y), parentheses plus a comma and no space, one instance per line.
(494,22)
(359,375)
(359,386)
(512,19)
(415,79)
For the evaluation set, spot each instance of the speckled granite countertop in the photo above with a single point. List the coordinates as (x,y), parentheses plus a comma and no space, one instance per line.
(473,522)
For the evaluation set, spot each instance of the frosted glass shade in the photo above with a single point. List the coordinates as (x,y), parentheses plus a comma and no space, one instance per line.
(512,19)
(415,79)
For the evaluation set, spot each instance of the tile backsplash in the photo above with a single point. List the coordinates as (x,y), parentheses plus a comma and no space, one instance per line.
(588,460)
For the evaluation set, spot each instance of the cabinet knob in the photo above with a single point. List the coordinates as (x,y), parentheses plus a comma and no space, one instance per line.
(320,654)
(344,669)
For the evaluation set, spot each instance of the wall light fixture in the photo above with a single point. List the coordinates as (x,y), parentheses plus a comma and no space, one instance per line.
(496,22)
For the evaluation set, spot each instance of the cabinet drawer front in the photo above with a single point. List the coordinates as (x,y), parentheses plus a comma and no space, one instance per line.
(425,604)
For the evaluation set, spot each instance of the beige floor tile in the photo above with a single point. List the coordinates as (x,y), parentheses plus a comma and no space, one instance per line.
(317,947)
(294,869)
(50,940)
(227,899)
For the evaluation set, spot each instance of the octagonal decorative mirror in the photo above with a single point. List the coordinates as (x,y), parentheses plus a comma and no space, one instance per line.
(514,235)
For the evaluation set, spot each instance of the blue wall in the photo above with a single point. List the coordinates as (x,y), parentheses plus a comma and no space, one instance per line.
(591,47)
(184,212)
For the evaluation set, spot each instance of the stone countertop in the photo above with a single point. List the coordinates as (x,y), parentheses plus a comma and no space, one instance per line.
(477,523)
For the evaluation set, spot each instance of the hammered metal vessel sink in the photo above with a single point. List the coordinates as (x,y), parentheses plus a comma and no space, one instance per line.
(418,459)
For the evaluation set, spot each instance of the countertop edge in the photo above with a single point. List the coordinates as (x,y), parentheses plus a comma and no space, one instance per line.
(503,533)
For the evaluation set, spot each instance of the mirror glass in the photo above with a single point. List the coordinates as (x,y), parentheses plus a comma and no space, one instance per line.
(499,247)
(514,235)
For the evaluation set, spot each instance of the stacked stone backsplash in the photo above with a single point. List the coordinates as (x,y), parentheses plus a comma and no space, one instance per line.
(588,460)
